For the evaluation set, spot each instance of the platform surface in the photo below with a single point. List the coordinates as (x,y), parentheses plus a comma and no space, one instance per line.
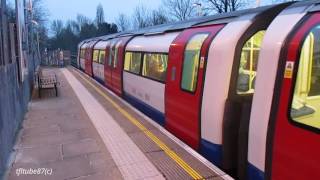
(89,133)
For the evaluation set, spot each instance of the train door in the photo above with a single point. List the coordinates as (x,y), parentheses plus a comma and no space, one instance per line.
(79,54)
(296,115)
(109,64)
(88,58)
(183,91)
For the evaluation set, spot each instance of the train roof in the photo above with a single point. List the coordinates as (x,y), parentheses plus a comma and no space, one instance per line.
(305,3)
(213,19)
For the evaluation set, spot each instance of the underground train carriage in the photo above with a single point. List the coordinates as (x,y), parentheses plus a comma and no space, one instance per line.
(284,126)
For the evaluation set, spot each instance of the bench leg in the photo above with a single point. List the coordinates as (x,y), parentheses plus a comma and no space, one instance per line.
(55,87)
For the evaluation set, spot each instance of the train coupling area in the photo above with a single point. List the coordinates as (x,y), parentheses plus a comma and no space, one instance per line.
(87,132)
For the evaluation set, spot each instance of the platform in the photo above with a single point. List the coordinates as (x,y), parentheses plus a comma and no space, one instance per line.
(89,133)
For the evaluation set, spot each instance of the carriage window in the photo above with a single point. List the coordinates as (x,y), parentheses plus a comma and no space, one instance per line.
(305,107)
(191,62)
(132,62)
(248,64)
(81,53)
(95,55)
(155,66)
(102,57)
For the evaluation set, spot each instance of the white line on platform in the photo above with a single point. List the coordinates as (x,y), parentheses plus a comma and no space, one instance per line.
(132,163)
(195,154)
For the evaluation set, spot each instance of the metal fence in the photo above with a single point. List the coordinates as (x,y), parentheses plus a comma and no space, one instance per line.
(58,58)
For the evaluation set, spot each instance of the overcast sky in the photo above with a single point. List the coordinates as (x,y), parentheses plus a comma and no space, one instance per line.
(68,9)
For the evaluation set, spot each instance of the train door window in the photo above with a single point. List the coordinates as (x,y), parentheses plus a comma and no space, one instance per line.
(248,64)
(82,53)
(95,56)
(191,62)
(102,56)
(305,107)
(132,62)
(111,54)
(116,53)
(155,66)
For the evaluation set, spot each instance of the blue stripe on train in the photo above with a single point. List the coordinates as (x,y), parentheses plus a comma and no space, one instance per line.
(146,109)
(212,152)
(99,80)
(254,173)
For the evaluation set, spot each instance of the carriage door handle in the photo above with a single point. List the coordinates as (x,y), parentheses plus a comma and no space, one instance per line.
(173,74)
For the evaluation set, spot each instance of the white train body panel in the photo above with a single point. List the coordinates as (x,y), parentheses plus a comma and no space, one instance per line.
(159,43)
(98,70)
(218,73)
(148,91)
(82,63)
(79,52)
(267,69)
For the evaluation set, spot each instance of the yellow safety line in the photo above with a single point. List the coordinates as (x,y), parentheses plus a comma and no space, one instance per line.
(193,173)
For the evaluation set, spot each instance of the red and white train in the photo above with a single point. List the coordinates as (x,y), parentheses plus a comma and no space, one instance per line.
(241,88)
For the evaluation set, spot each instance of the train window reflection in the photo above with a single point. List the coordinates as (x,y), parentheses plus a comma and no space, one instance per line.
(116,52)
(305,107)
(132,62)
(111,54)
(82,52)
(102,56)
(95,56)
(248,64)
(191,62)
(155,66)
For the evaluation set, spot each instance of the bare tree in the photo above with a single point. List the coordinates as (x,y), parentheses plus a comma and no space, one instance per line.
(123,22)
(100,15)
(223,6)
(81,19)
(158,17)
(180,9)
(39,12)
(57,27)
(140,17)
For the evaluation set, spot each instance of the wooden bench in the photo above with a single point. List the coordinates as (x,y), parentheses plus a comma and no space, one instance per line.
(47,81)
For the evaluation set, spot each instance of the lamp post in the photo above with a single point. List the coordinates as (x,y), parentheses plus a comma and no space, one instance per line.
(258,3)
(38,40)
(199,5)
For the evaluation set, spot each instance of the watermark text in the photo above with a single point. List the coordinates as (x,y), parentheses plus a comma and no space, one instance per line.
(34,171)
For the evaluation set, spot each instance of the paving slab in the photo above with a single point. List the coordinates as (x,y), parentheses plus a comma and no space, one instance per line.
(82,147)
